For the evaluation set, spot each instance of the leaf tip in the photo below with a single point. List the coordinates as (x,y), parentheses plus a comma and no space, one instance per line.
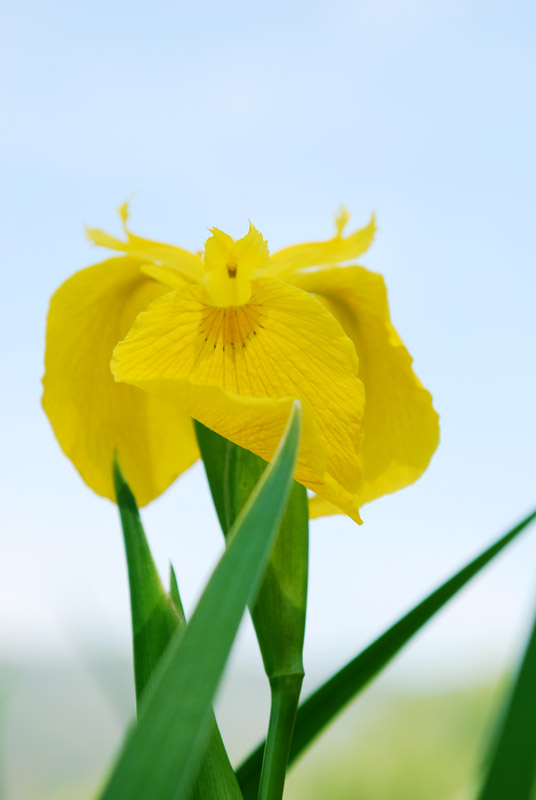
(123,493)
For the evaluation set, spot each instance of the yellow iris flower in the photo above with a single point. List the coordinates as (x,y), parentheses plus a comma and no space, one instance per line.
(230,338)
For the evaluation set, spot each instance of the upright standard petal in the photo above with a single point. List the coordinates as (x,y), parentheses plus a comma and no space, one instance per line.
(336,250)
(401,428)
(188,265)
(236,369)
(93,416)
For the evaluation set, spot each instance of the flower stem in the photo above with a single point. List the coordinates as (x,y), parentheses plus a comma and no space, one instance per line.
(285,690)
(278,612)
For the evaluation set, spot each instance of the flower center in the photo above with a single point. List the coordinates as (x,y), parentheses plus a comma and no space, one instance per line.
(228,328)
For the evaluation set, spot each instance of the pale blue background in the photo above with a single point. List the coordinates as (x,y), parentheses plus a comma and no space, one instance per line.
(216,113)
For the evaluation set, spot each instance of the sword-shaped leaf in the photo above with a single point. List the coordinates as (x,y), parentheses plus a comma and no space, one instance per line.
(512,771)
(156,617)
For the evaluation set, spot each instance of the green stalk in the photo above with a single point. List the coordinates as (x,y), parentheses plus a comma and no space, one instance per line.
(278,612)
(279,619)
(285,697)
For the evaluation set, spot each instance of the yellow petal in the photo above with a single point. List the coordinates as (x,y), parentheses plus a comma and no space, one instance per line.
(168,276)
(320,507)
(252,251)
(401,428)
(341,220)
(189,265)
(237,370)
(230,266)
(218,249)
(337,250)
(93,416)
(249,253)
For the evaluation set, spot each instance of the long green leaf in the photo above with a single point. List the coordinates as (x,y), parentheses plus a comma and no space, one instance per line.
(175,595)
(155,619)
(162,753)
(512,770)
(324,704)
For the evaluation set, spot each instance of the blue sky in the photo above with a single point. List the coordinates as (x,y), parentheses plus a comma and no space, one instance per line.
(214,114)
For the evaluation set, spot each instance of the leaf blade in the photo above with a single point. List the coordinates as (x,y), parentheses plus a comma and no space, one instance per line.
(156,617)
(513,766)
(154,620)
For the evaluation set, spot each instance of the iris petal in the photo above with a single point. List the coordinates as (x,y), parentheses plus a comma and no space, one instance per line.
(93,416)
(189,265)
(236,370)
(337,250)
(401,427)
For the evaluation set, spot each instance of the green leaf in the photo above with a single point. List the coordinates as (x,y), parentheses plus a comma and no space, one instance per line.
(174,594)
(155,619)
(162,753)
(324,704)
(513,765)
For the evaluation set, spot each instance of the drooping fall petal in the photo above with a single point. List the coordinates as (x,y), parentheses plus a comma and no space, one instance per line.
(236,369)
(93,416)
(337,250)
(401,427)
